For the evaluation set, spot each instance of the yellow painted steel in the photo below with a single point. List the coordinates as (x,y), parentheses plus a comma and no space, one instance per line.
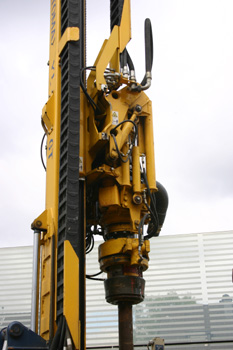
(123,251)
(125,169)
(149,149)
(107,54)
(136,170)
(71,291)
(46,291)
(49,219)
(47,119)
(125,26)
(112,48)
(109,196)
(122,137)
(70,34)
(119,187)
(126,214)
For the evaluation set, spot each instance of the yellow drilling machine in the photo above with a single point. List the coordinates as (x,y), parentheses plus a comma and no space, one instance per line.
(100,180)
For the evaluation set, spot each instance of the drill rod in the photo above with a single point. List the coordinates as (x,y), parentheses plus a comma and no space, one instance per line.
(125,326)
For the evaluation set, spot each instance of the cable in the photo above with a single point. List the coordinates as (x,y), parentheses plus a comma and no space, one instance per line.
(90,236)
(95,274)
(125,121)
(130,62)
(120,154)
(89,241)
(62,335)
(123,59)
(148,49)
(92,102)
(41,151)
(154,224)
(56,339)
(95,279)
(153,200)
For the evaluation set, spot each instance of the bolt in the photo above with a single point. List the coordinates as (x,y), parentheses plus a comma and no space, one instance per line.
(39,223)
(16,329)
(138,108)
(104,87)
(137,199)
(104,136)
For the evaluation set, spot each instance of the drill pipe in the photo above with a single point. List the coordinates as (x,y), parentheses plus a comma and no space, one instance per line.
(125,324)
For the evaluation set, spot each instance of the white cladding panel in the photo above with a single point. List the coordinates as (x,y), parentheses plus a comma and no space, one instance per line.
(189,292)
(15,285)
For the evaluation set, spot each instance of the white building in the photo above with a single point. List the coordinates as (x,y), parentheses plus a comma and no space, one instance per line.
(188,299)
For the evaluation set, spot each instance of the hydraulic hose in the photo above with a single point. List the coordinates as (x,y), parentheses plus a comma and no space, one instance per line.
(148,45)
(148,53)
(56,340)
(123,62)
(159,205)
(131,68)
(130,62)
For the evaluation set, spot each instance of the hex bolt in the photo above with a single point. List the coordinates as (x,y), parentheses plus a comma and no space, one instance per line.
(138,108)
(16,329)
(104,136)
(137,199)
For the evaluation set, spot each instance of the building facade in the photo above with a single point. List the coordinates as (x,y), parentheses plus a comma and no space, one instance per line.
(188,299)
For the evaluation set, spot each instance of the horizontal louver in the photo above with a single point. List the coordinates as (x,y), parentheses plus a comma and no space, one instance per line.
(188,293)
(15,285)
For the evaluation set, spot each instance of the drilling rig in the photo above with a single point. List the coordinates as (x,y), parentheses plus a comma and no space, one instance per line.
(100,180)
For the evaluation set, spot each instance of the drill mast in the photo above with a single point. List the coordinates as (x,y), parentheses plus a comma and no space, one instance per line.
(100,177)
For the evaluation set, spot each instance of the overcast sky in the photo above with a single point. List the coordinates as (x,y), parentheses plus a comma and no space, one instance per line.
(192,91)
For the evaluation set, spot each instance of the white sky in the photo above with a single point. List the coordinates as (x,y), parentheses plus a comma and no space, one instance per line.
(192,91)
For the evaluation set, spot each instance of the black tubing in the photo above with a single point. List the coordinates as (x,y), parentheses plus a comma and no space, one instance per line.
(159,205)
(161,202)
(41,153)
(56,339)
(130,62)
(148,45)
(123,59)
(148,48)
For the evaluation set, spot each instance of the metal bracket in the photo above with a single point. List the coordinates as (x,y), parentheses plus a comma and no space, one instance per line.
(70,34)
(116,43)
(41,222)
(47,119)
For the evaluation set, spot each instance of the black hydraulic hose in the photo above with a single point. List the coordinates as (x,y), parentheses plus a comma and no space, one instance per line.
(148,49)
(161,202)
(56,339)
(123,59)
(148,45)
(158,205)
(41,151)
(130,62)
(62,335)
(92,102)
(112,133)
(153,227)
